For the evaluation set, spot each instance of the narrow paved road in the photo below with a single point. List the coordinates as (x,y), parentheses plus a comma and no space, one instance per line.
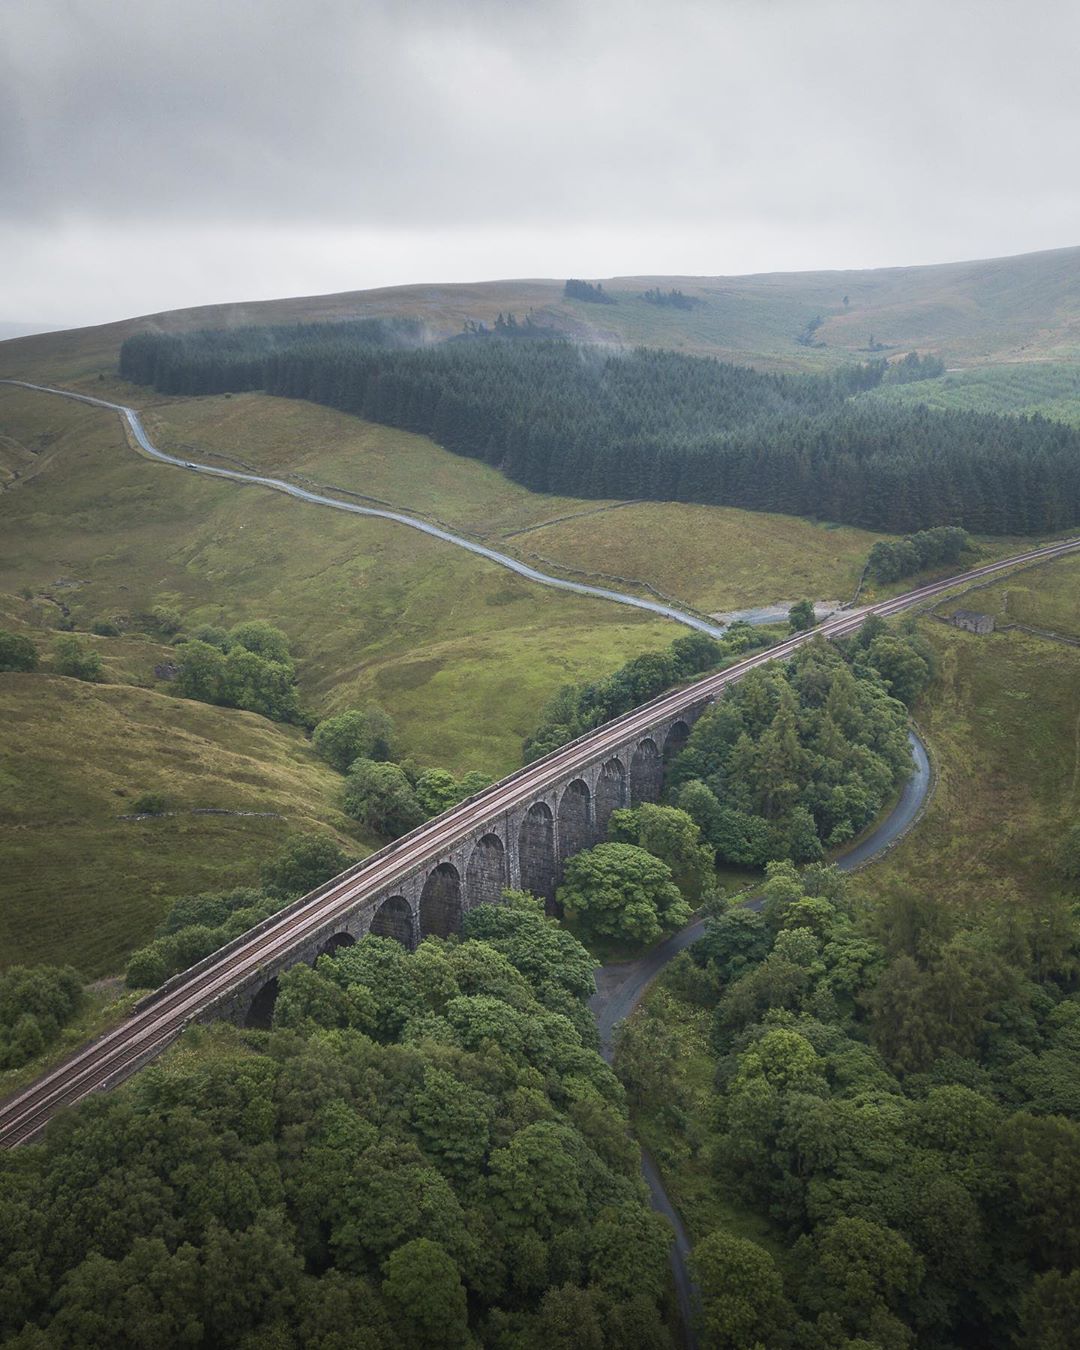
(620,988)
(131,417)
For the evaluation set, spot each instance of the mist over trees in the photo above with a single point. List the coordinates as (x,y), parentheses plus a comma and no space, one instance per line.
(590,422)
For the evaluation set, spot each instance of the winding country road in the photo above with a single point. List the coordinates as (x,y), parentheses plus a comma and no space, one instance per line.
(621,987)
(134,423)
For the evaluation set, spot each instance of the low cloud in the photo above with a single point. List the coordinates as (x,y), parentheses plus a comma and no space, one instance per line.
(171,153)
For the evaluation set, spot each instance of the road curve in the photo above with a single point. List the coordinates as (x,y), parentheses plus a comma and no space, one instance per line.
(118,1053)
(131,417)
(621,987)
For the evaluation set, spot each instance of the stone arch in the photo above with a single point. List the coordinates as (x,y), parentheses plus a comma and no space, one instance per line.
(610,794)
(440,902)
(575,819)
(485,875)
(334,944)
(394,919)
(646,773)
(536,849)
(261,1012)
(678,735)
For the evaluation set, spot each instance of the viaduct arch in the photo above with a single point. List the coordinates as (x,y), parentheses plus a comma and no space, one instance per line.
(525,847)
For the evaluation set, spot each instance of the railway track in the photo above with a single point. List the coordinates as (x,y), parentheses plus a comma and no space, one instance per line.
(115,1055)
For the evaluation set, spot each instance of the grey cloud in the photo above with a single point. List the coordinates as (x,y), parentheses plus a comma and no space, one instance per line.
(847,131)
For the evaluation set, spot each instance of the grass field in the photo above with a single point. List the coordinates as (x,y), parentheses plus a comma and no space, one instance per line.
(1003,723)
(460,652)
(80,883)
(1050,388)
(713,558)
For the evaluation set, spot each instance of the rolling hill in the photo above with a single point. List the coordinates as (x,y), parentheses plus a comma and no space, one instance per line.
(461,654)
(1024,308)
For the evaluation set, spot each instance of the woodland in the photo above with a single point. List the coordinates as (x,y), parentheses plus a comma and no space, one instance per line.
(588,421)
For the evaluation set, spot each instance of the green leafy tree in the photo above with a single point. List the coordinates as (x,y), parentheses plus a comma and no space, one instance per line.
(147,968)
(673,836)
(862,1276)
(263,639)
(36,1002)
(621,891)
(437,790)
(381,797)
(70,657)
(17,652)
(166,620)
(735,941)
(426,1299)
(801,616)
(1051,1312)
(359,733)
(201,672)
(1041,1158)
(259,685)
(905,668)
(695,653)
(742,1293)
(212,635)
(305,862)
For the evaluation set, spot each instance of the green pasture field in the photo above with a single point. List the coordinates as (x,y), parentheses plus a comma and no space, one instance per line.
(709,557)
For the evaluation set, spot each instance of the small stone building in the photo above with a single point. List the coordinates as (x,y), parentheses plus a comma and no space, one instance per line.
(973,622)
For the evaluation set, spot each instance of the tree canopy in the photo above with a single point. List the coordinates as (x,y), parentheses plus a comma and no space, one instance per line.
(588,421)
(621,891)
(800,756)
(426,1149)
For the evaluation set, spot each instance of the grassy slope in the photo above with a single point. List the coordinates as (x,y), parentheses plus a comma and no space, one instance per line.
(1005,309)
(460,652)
(1003,721)
(713,558)
(82,883)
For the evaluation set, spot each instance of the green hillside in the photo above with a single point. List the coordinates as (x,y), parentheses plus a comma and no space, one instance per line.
(84,885)
(1003,721)
(984,312)
(462,654)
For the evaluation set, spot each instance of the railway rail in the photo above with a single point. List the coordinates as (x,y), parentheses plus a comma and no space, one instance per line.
(115,1055)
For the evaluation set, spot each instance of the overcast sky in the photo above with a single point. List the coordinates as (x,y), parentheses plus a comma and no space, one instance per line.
(160,153)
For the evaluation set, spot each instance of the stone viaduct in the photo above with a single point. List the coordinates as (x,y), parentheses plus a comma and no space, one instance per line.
(525,847)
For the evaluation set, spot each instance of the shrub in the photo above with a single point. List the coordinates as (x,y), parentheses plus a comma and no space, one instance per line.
(358,733)
(17,652)
(151,804)
(305,862)
(382,798)
(70,657)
